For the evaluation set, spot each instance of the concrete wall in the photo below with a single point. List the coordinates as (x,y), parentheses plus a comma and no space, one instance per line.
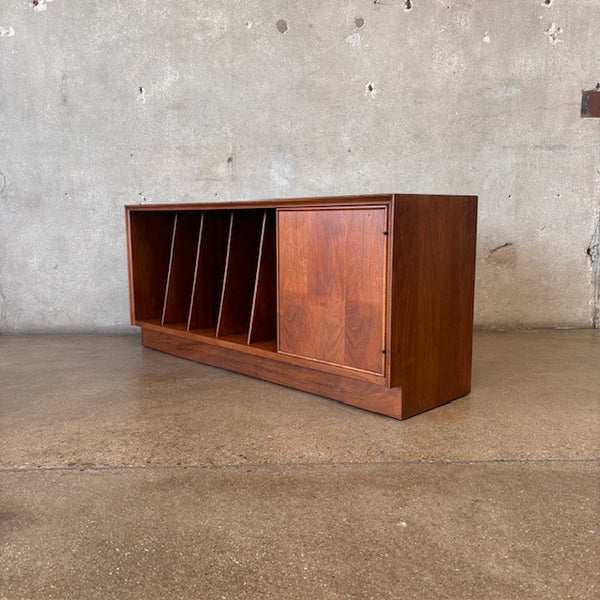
(109,102)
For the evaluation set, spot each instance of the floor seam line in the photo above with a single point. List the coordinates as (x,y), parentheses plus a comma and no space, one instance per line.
(209,466)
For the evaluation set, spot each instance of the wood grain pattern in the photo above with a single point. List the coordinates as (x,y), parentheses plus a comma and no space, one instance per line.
(331,296)
(433,275)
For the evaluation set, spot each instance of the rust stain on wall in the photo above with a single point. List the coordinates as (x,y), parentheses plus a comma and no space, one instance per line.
(590,103)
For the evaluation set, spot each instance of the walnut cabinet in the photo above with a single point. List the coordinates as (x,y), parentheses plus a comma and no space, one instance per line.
(364,299)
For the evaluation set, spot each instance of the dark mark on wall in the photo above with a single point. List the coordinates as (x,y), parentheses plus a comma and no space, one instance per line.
(282,26)
(553,32)
(590,103)
(39,5)
(359,22)
(2,182)
(64,98)
(408,5)
(230,159)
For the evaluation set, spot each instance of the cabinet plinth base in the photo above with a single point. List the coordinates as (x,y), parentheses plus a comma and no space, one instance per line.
(362,394)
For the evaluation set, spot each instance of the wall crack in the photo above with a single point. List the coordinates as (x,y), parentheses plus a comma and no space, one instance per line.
(504,256)
(3,312)
(593,256)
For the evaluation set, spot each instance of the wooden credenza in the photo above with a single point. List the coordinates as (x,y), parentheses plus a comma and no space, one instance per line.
(363,299)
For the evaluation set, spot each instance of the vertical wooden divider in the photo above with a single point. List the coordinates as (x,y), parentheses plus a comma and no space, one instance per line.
(195,283)
(263,318)
(170,271)
(261,248)
(221,301)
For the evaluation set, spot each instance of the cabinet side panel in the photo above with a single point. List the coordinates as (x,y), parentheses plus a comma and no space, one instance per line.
(149,241)
(433,274)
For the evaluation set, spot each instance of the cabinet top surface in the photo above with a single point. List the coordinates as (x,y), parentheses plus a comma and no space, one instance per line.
(281,202)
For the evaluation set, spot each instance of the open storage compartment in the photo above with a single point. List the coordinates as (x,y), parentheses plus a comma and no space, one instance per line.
(207,272)
(240,274)
(211,256)
(180,281)
(150,240)
(263,317)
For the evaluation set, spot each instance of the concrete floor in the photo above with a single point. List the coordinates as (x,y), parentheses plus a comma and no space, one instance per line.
(126,473)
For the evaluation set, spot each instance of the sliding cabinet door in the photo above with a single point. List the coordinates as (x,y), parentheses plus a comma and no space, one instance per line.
(331,285)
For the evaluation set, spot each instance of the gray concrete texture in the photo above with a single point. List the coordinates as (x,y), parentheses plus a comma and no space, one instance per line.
(127,473)
(113,103)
